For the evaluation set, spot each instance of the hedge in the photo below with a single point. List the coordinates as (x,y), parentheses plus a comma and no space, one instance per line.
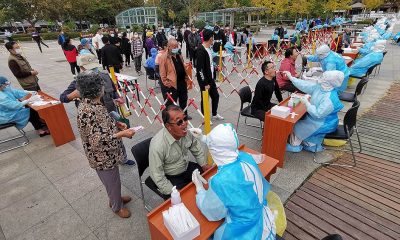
(45,36)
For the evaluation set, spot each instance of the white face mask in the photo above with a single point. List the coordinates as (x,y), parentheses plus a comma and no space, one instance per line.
(18,51)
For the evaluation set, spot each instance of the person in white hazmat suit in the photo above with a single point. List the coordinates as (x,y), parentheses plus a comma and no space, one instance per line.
(322,111)
(237,192)
(331,61)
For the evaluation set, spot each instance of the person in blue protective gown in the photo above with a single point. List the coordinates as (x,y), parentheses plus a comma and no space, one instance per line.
(13,110)
(322,111)
(361,66)
(331,61)
(151,61)
(237,192)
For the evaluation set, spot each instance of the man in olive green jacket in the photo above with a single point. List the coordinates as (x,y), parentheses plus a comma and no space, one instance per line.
(20,67)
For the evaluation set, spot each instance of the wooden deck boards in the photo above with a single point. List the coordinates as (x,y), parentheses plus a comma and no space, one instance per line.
(361,202)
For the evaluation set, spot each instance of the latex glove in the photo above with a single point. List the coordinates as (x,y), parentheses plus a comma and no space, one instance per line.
(34,98)
(196,132)
(288,74)
(25,102)
(33,93)
(304,100)
(198,180)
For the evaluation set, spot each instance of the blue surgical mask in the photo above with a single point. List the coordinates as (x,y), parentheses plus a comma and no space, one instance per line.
(175,51)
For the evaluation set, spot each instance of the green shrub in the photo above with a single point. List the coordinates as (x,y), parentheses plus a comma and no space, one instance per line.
(199,24)
(44,30)
(137,28)
(45,36)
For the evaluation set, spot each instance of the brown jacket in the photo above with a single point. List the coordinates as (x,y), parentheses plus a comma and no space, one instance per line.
(21,69)
(167,70)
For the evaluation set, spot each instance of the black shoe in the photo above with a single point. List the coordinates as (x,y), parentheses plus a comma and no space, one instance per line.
(130,163)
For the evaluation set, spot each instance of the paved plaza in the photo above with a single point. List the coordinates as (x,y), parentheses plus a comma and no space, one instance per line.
(52,193)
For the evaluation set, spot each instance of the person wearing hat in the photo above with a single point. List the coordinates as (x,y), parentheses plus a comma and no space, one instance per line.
(330,61)
(86,47)
(102,138)
(237,192)
(20,67)
(322,111)
(13,107)
(88,63)
(149,43)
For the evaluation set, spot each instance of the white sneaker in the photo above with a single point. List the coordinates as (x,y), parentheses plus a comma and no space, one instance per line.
(218,117)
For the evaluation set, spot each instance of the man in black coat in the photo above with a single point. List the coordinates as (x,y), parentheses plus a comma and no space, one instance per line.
(206,73)
(111,55)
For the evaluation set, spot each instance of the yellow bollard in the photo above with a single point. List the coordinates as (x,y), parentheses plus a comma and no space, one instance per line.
(220,64)
(124,110)
(249,53)
(207,119)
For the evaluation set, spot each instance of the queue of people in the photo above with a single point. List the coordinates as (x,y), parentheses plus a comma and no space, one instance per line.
(246,212)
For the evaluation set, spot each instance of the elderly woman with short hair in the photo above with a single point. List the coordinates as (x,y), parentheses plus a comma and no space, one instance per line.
(102,138)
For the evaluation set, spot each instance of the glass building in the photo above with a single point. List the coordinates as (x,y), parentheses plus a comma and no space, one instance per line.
(213,17)
(137,16)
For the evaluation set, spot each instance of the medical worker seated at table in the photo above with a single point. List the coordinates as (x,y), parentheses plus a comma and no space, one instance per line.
(13,107)
(361,66)
(322,111)
(237,192)
(331,61)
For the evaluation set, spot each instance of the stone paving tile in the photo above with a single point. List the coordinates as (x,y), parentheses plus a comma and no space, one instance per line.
(27,212)
(93,207)
(15,167)
(21,187)
(44,155)
(91,236)
(62,225)
(65,166)
(132,228)
(78,184)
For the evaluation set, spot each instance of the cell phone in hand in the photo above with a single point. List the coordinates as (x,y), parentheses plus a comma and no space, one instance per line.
(137,128)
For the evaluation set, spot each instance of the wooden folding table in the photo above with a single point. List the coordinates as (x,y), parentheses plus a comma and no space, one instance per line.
(277,130)
(188,195)
(56,120)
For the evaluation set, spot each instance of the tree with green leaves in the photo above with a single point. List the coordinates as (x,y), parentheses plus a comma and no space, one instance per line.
(372,4)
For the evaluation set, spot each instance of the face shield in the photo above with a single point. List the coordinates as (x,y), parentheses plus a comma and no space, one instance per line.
(331,80)
(323,51)
(223,143)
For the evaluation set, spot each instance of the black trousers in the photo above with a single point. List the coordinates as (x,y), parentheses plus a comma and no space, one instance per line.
(260,114)
(74,66)
(184,178)
(138,63)
(127,58)
(180,94)
(34,119)
(98,52)
(214,95)
(187,50)
(40,42)
(192,54)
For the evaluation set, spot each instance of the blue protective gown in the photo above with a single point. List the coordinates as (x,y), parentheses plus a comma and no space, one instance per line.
(361,65)
(11,109)
(333,62)
(322,112)
(275,37)
(151,61)
(238,193)
(366,48)
(299,26)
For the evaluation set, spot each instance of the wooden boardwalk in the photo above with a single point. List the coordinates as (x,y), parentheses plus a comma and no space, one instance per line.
(361,202)
(380,127)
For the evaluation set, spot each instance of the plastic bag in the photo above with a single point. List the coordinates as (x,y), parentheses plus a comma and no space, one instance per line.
(276,206)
